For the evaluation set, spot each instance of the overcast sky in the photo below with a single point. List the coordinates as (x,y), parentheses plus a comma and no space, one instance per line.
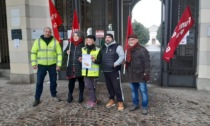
(148,12)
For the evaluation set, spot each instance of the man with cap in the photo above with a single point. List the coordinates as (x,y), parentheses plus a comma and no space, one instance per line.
(112,58)
(91,73)
(138,72)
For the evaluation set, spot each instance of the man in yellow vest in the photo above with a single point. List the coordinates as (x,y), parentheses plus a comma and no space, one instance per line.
(91,71)
(46,55)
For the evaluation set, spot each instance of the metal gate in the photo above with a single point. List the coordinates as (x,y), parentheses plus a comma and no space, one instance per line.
(93,15)
(4,48)
(181,70)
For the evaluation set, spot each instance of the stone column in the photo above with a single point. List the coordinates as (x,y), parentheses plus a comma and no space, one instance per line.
(203,66)
(28,16)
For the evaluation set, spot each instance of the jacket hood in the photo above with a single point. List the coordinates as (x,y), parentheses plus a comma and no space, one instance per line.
(113,42)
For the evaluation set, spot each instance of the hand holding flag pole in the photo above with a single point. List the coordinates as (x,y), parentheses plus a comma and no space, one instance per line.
(129,32)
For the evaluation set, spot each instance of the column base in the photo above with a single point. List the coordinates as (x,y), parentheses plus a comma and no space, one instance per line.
(203,84)
(22,78)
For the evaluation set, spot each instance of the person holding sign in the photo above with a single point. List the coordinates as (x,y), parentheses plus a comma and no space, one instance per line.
(90,59)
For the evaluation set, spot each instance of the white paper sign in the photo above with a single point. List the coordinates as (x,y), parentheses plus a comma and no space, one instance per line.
(65,43)
(86,61)
(15,17)
(111,32)
(16,43)
(69,34)
(37,33)
(184,40)
(209,31)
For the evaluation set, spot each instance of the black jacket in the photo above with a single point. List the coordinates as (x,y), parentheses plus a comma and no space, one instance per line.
(139,64)
(76,52)
(109,56)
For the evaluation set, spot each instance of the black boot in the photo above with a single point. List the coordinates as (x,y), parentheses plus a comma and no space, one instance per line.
(70,98)
(80,100)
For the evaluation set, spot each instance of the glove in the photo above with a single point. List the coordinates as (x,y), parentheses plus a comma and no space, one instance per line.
(146,77)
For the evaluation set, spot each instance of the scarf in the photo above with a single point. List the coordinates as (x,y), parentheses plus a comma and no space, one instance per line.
(129,50)
(89,48)
(76,43)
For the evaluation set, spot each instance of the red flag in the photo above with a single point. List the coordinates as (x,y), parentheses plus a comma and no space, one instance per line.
(55,19)
(129,32)
(75,23)
(185,23)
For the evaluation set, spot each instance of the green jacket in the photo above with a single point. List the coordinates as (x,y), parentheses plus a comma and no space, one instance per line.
(94,70)
(44,54)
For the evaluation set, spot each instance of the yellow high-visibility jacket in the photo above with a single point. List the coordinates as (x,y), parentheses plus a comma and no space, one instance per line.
(94,70)
(44,54)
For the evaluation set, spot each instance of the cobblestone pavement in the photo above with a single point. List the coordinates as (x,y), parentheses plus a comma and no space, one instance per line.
(167,107)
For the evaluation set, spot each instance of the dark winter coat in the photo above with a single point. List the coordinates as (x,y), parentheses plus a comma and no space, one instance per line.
(109,56)
(75,53)
(139,65)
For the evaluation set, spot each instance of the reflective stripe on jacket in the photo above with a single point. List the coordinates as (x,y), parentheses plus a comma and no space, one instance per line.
(94,70)
(44,54)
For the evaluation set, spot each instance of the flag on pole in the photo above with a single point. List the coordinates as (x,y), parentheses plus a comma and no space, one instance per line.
(184,25)
(55,19)
(75,27)
(75,24)
(129,32)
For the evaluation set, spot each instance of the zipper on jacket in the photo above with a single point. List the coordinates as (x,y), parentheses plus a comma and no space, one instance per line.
(47,53)
(74,55)
(107,49)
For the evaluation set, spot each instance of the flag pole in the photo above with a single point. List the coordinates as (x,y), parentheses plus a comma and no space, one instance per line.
(67,64)
(125,62)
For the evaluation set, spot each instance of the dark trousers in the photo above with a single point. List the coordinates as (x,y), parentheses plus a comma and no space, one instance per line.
(72,84)
(113,85)
(41,73)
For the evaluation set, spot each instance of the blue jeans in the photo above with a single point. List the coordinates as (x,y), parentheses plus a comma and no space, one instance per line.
(41,73)
(135,95)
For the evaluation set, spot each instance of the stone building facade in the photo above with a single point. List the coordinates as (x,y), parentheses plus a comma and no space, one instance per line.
(31,16)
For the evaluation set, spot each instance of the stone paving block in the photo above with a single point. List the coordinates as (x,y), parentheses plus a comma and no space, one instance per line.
(167,107)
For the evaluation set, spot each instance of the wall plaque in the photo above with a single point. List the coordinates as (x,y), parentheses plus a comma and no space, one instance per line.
(16,34)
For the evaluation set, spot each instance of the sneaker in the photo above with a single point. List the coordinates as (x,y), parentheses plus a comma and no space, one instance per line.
(144,111)
(110,103)
(56,99)
(91,104)
(134,107)
(36,102)
(120,106)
